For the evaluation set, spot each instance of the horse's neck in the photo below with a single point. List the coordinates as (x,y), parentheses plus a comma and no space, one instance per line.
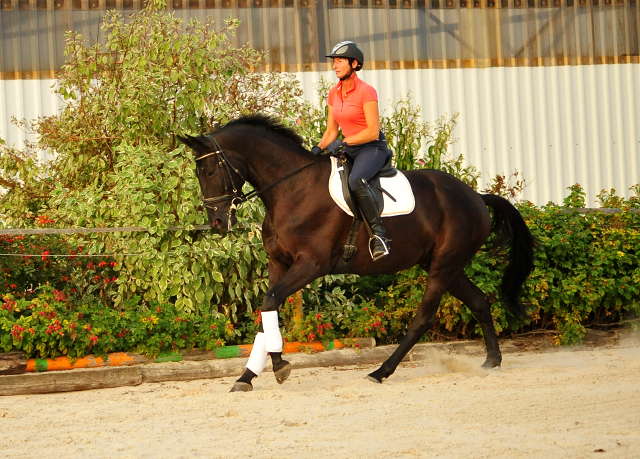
(267,163)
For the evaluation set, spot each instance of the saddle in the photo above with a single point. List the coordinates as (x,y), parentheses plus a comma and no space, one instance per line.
(387,170)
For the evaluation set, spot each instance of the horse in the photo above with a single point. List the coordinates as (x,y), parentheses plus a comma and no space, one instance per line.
(304,230)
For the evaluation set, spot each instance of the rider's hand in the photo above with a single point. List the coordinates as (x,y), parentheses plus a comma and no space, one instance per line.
(316,150)
(335,147)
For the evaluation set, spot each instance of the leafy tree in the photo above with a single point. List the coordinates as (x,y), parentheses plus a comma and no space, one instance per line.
(117,162)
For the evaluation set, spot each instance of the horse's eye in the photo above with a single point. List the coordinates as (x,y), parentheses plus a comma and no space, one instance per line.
(210,173)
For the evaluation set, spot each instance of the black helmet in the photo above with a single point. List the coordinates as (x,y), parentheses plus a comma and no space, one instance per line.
(349,50)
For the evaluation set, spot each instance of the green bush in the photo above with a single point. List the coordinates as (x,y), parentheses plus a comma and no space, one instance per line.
(117,162)
(51,325)
(587,274)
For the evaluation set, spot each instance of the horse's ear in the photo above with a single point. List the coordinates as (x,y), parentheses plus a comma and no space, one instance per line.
(191,142)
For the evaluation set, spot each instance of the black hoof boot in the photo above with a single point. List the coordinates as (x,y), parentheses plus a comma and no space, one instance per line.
(241,387)
(282,371)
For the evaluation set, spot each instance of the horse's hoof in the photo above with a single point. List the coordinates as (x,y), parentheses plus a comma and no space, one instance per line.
(241,387)
(283,372)
(492,363)
(373,379)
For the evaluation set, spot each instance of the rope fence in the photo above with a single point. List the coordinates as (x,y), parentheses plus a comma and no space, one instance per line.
(124,229)
(128,229)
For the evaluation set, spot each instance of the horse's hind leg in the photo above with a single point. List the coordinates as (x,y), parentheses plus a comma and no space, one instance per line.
(466,291)
(422,321)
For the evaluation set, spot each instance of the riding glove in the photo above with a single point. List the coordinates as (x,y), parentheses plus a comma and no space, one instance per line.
(335,147)
(316,150)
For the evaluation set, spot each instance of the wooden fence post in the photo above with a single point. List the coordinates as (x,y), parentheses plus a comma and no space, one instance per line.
(298,314)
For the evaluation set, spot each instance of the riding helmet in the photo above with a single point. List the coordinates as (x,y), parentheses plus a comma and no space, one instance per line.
(349,50)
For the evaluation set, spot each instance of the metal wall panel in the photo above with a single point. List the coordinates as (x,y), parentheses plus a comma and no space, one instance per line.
(556,125)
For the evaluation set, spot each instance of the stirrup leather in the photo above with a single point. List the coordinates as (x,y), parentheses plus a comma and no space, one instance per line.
(384,244)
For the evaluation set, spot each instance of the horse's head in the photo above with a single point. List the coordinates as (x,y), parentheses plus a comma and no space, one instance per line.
(220,180)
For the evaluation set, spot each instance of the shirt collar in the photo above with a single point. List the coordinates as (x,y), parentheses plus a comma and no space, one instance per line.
(356,80)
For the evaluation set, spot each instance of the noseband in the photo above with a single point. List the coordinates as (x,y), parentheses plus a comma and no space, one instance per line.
(231,192)
(229,184)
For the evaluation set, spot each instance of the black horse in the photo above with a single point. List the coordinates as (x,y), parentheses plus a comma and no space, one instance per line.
(304,230)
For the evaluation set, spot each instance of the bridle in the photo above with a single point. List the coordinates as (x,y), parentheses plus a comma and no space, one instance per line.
(231,191)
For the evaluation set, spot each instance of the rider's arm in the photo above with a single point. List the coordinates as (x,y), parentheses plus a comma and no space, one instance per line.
(331,133)
(372,131)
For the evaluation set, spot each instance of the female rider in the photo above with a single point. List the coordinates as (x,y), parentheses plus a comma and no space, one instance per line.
(353,108)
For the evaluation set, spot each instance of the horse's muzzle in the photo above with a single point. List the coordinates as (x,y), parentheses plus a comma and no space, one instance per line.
(222,223)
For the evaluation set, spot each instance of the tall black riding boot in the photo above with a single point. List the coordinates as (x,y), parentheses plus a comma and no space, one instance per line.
(378,244)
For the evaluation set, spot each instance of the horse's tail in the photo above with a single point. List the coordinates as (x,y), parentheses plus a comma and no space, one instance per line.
(512,232)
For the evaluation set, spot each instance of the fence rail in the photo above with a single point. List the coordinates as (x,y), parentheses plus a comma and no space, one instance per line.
(125,229)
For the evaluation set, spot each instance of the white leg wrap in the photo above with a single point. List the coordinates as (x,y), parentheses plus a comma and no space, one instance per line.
(258,357)
(273,338)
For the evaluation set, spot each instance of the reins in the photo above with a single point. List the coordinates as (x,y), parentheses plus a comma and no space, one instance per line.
(236,199)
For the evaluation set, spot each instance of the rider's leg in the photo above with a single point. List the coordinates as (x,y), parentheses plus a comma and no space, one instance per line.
(367,164)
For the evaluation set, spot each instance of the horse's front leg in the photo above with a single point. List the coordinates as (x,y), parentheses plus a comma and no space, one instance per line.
(269,339)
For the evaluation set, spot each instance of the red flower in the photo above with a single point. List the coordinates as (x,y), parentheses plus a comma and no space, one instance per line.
(159,309)
(102,263)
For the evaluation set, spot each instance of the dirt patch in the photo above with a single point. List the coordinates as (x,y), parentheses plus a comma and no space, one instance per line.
(580,402)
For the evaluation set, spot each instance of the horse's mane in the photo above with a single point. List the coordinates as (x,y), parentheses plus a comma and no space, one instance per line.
(264,121)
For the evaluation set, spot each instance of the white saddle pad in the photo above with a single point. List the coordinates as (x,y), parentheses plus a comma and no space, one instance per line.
(397,186)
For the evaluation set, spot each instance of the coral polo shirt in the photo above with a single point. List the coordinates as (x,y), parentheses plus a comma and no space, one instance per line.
(348,109)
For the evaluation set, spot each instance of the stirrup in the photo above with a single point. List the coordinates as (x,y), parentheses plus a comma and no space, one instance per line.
(384,244)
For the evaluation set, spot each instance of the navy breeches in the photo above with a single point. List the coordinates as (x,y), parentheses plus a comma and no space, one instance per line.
(367,160)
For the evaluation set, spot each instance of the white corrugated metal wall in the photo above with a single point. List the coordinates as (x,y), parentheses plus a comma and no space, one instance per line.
(547,91)
(556,125)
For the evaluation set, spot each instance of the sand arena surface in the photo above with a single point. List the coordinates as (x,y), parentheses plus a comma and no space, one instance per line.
(560,403)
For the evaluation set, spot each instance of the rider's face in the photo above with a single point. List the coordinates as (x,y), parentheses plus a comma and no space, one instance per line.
(341,66)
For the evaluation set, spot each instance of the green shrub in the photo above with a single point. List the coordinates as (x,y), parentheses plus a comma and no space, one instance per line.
(51,325)
(117,162)
(587,274)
